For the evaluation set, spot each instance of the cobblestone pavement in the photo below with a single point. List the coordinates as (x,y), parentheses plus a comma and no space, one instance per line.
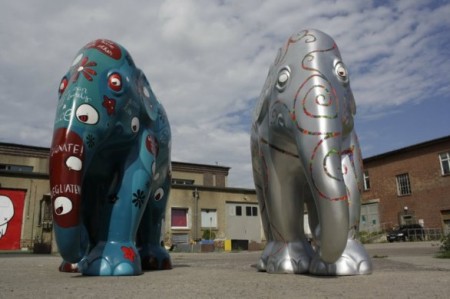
(401,270)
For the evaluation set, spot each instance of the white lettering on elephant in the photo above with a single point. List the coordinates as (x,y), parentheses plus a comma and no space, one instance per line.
(78,93)
(73,148)
(65,189)
(105,49)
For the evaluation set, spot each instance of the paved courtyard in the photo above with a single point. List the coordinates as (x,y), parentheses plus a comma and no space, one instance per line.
(402,270)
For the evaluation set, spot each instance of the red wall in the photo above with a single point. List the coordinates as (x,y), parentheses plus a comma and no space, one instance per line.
(10,240)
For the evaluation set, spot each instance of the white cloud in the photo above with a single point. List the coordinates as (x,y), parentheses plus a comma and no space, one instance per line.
(207,61)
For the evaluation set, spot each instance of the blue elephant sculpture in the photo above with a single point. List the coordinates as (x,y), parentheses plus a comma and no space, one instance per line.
(110,167)
(305,153)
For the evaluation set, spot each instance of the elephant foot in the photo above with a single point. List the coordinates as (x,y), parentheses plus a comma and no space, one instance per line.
(111,259)
(285,257)
(155,257)
(354,261)
(68,267)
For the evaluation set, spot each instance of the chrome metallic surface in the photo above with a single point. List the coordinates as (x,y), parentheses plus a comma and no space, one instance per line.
(305,154)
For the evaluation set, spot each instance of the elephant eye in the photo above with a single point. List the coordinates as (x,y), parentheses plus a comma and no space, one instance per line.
(62,205)
(115,82)
(283,79)
(341,71)
(159,194)
(87,114)
(135,124)
(63,85)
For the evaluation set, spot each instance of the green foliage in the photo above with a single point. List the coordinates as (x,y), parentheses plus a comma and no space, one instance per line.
(445,243)
(445,247)
(366,237)
(443,255)
(208,235)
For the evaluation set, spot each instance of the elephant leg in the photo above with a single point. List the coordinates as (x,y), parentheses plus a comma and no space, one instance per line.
(114,252)
(266,226)
(354,259)
(260,195)
(154,255)
(288,250)
(260,180)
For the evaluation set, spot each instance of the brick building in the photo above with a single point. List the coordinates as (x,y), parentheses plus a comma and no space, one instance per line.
(408,185)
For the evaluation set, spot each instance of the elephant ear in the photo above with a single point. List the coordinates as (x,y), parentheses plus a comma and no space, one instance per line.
(262,106)
(149,100)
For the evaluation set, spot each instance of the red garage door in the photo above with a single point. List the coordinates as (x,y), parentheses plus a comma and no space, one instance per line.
(11,213)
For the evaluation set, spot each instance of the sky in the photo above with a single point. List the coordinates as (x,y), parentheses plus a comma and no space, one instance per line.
(207,61)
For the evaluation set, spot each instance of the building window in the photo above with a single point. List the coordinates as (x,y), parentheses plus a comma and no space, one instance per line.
(445,163)
(251,211)
(179,217)
(182,182)
(403,184)
(16,168)
(366,180)
(209,218)
(238,211)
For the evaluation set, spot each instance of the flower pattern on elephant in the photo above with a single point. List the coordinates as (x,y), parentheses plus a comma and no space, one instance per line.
(90,141)
(138,198)
(84,67)
(128,253)
(109,104)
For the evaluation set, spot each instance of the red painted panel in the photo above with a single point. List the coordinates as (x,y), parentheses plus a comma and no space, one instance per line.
(11,214)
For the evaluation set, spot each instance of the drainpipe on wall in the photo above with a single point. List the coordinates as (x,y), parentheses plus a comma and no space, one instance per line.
(196,196)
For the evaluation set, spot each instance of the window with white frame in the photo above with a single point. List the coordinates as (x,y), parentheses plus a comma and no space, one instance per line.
(366,180)
(179,217)
(209,218)
(403,184)
(445,163)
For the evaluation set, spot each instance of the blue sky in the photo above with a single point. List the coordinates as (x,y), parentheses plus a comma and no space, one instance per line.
(207,62)
(404,125)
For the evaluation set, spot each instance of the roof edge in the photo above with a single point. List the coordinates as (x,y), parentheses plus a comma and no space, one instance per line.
(408,148)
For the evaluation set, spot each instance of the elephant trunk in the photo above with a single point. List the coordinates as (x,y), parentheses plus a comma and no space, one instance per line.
(333,229)
(331,200)
(66,175)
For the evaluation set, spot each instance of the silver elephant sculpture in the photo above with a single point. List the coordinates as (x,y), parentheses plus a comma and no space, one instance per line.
(305,155)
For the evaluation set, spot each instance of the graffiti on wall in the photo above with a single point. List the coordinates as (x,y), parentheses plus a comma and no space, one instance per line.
(6,213)
(11,215)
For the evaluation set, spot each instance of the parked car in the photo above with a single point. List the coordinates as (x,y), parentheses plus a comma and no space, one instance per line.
(408,232)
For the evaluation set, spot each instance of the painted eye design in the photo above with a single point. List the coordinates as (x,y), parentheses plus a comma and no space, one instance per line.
(115,82)
(159,194)
(63,85)
(62,205)
(135,124)
(283,79)
(74,163)
(341,71)
(87,114)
